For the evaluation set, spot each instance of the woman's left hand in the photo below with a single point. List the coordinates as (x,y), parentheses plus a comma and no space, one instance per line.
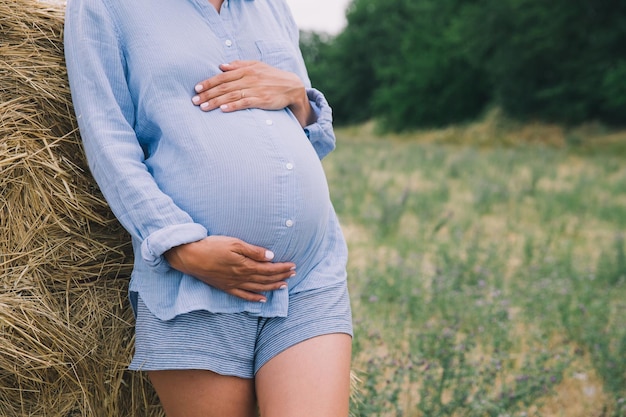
(254,84)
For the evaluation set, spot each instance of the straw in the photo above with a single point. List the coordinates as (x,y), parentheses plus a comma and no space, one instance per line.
(65,262)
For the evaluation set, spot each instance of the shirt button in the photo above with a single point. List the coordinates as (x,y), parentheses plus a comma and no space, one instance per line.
(228,43)
(289,166)
(269,122)
(289,223)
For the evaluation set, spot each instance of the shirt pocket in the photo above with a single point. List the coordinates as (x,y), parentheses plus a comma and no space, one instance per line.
(279,54)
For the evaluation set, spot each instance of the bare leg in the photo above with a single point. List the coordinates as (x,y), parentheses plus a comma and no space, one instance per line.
(195,393)
(310,379)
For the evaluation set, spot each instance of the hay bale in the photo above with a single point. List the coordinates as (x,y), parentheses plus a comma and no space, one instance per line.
(65,324)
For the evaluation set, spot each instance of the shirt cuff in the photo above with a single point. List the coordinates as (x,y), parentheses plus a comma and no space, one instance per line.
(159,242)
(321,132)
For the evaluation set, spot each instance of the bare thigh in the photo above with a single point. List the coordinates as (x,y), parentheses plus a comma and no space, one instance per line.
(310,379)
(197,393)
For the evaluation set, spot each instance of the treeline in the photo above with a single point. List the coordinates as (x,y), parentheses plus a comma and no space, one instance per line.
(425,63)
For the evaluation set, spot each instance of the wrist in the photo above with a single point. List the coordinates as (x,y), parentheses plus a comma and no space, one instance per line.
(176,256)
(172,256)
(302,109)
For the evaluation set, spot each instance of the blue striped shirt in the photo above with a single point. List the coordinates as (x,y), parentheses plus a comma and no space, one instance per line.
(173,174)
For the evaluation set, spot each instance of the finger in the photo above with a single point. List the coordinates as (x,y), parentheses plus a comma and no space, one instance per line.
(253,252)
(253,259)
(266,277)
(268,273)
(228,102)
(217,80)
(248,296)
(257,266)
(225,92)
(264,272)
(260,288)
(237,64)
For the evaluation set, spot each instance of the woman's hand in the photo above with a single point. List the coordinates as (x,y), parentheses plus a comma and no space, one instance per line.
(231,265)
(254,84)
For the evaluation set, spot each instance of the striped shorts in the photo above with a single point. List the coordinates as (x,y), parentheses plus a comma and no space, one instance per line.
(236,344)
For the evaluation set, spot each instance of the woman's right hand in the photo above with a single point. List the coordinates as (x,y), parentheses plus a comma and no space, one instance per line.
(231,265)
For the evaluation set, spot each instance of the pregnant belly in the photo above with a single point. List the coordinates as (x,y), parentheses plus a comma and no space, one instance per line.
(277,202)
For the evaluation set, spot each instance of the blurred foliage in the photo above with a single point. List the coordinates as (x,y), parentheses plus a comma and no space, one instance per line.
(425,63)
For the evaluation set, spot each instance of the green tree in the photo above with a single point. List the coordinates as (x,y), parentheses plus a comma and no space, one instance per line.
(557,60)
(427,80)
(398,61)
(353,55)
(416,63)
(314,47)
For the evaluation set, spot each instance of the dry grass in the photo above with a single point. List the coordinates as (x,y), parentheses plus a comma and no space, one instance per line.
(65,326)
(496,129)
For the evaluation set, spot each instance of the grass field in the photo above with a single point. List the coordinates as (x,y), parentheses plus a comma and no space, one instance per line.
(487,269)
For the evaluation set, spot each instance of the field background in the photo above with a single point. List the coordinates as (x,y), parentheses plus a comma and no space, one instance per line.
(487,268)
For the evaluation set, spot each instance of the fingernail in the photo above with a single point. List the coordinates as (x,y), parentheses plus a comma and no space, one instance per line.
(292,275)
(269,255)
(283,287)
(204,106)
(263,300)
(224,106)
(196,99)
(198,88)
(293,268)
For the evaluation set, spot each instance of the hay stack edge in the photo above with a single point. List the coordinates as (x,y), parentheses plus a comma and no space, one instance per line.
(65,325)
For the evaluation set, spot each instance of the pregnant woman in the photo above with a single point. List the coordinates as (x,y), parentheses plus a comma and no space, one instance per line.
(205,137)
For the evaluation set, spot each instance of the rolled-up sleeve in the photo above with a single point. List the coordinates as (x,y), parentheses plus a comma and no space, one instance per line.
(106,115)
(321,133)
